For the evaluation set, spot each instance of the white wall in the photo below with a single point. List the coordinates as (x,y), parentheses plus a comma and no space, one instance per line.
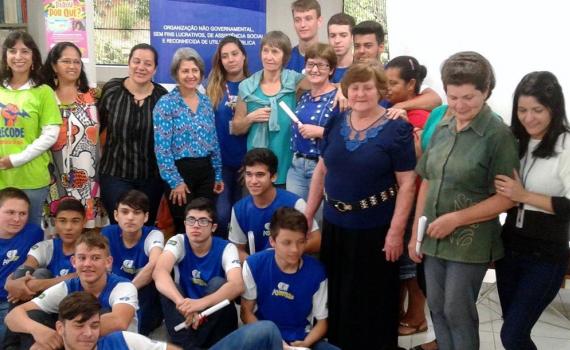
(516,37)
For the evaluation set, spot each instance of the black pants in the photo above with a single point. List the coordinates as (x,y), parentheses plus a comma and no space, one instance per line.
(198,174)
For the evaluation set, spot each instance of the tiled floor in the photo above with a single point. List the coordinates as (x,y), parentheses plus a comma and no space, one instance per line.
(552,332)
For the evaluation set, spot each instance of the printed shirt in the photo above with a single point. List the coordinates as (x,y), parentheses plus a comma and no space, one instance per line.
(13,252)
(49,254)
(180,133)
(315,111)
(122,340)
(76,157)
(129,146)
(24,113)
(127,262)
(461,168)
(247,217)
(232,147)
(193,272)
(290,300)
(118,290)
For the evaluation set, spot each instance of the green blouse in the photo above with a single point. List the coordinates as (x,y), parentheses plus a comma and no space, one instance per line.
(460,168)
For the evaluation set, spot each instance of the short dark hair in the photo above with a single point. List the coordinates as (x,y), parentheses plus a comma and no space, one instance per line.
(468,67)
(53,56)
(70,204)
(13,193)
(410,69)
(261,156)
(289,219)
(10,42)
(202,204)
(370,27)
(135,199)
(544,87)
(144,46)
(306,5)
(81,304)
(93,239)
(342,19)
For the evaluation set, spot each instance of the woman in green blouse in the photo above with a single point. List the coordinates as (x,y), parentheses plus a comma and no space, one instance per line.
(457,195)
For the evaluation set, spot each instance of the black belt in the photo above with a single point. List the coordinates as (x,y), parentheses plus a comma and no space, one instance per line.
(306,156)
(368,202)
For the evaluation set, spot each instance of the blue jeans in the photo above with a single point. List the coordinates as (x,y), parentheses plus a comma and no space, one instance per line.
(299,180)
(452,290)
(259,335)
(526,286)
(37,199)
(233,192)
(112,187)
(217,326)
(4,307)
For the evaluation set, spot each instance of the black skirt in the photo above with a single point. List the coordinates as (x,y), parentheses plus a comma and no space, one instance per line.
(363,288)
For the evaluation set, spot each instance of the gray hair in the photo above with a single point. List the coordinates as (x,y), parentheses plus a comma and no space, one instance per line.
(186,54)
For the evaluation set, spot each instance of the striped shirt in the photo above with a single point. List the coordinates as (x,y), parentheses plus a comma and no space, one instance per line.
(129,148)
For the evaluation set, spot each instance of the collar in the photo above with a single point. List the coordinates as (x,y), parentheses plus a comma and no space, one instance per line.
(478,124)
(28,85)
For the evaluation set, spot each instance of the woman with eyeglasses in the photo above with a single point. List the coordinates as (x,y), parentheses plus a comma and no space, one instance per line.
(30,121)
(315,108)
(76,151)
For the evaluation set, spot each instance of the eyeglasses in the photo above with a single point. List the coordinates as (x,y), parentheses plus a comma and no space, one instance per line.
(202,222)
(320,66)
(68,62)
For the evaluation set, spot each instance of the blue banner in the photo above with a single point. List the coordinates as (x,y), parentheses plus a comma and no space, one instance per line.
(202,24)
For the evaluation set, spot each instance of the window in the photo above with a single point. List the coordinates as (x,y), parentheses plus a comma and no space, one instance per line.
(375,10)
(119,25)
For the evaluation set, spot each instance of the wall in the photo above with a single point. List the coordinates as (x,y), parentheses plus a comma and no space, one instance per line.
(278,18)
(516,37)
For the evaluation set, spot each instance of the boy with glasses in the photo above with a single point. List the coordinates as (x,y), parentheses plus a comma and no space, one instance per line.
(207,271)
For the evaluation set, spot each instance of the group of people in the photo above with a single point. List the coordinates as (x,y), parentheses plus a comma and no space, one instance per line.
(371,151)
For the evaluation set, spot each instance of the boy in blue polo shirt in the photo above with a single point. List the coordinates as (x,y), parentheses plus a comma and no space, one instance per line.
(251,215)
(207,270)
(17,236)
(135,248)
(35,319)
(287,287)
(49,261)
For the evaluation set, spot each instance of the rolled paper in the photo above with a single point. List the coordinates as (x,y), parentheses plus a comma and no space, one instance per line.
(422,225)
(204,313)
(290,113)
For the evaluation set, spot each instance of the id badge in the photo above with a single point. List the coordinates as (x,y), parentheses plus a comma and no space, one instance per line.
(520,217)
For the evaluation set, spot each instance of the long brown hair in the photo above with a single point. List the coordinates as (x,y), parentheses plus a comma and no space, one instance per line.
(217,77)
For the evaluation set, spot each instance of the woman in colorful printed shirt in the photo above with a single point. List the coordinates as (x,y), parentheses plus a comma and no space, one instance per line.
(314,110)
(30,121)
(125,112)
(76,151)
(186,143)
(229,69)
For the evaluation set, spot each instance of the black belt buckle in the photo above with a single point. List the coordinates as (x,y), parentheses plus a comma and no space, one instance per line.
(342,206)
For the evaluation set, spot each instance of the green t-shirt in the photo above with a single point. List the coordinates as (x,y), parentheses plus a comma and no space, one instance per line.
(429,127)
(279,141)
(24,113)
(460,168)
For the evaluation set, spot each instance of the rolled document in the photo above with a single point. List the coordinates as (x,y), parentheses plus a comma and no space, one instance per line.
(290,113)
(422,225)
(298,348)
(251,241)
(205,313)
